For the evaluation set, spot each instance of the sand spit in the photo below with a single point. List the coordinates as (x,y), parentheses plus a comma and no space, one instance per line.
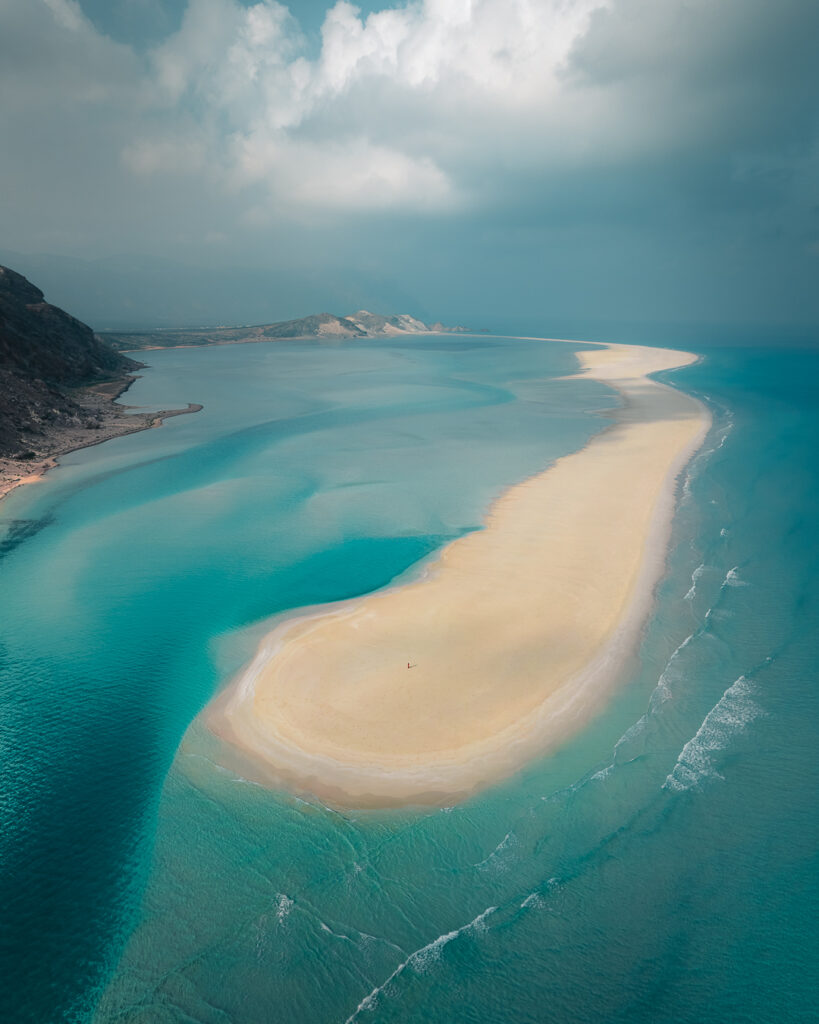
(115,421)
(515,635)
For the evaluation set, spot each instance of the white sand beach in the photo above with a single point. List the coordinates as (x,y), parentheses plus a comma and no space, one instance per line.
(515,635)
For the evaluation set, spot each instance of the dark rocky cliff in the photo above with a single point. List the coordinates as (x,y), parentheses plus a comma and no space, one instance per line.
(44,353)
(39,340)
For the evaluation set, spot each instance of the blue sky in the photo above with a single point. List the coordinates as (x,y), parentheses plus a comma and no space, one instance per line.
(469,159)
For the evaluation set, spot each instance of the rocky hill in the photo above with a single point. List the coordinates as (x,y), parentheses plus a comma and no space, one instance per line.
(40,341)
(44,355)
(374,325)
(361,324)
(57,383)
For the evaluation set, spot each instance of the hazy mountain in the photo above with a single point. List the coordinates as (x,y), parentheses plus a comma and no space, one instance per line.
(139,292)
(362,324)
(373,324)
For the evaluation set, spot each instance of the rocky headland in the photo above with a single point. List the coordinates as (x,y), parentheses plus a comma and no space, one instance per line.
(58,384)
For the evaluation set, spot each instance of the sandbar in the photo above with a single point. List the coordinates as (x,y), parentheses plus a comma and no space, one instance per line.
(515,635)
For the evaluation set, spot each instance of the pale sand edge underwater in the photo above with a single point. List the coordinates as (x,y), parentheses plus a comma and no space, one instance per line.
(516,633)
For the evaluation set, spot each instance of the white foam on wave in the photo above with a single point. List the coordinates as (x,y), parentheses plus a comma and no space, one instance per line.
(733,579)
(494,859)
(361,940)
(603,773)
(537,900)
(283,907)
(663,690)
(420,961)
(533,901)
(695,575)
(725,434)
(697,760)
(659,695)
(686,487)
(701,457)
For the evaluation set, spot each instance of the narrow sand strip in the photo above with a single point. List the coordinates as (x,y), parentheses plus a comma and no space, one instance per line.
(515,635)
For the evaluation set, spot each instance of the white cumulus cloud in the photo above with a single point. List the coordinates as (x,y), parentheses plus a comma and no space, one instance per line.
(387,111)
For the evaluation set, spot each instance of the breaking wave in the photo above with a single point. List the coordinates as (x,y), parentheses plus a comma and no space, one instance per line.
(419,961)
(283,907)
(537,900)
(506,844)
(697,760)
(661,693)
(695,575)
(733,579)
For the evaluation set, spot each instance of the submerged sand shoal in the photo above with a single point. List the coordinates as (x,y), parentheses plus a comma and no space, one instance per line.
(515,635)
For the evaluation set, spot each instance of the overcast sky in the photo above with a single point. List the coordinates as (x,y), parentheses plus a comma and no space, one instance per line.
(632,159)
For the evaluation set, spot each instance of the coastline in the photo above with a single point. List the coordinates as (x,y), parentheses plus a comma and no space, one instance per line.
(257,339)
(114,421)
(515,635)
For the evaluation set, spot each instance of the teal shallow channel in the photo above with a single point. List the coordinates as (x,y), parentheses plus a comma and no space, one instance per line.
(660,867)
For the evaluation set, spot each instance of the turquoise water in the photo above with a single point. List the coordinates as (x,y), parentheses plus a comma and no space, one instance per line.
(660,867)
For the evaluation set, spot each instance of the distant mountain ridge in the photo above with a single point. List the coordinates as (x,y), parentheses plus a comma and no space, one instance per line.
(361,324)
(141,293)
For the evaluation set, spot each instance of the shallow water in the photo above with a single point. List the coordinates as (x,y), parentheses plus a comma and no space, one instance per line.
(660,867)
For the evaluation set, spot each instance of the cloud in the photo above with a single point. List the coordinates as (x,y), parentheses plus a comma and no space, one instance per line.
(488,130)
(734,75)
(432,105)
(452,101)
(354,175)
(52,57)
(227,56)
(385,113)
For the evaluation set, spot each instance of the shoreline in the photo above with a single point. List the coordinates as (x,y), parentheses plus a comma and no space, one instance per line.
(518,632)
(254,340)
(116,421)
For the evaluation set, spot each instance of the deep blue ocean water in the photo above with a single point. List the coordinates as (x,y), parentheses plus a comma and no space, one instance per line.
(661,867)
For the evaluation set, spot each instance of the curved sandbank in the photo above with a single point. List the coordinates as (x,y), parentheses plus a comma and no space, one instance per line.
(515,634)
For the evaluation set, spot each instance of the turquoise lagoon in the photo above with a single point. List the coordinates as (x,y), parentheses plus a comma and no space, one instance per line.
(661,867)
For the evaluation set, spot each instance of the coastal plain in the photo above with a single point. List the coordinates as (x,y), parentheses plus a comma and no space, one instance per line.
(429,691)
